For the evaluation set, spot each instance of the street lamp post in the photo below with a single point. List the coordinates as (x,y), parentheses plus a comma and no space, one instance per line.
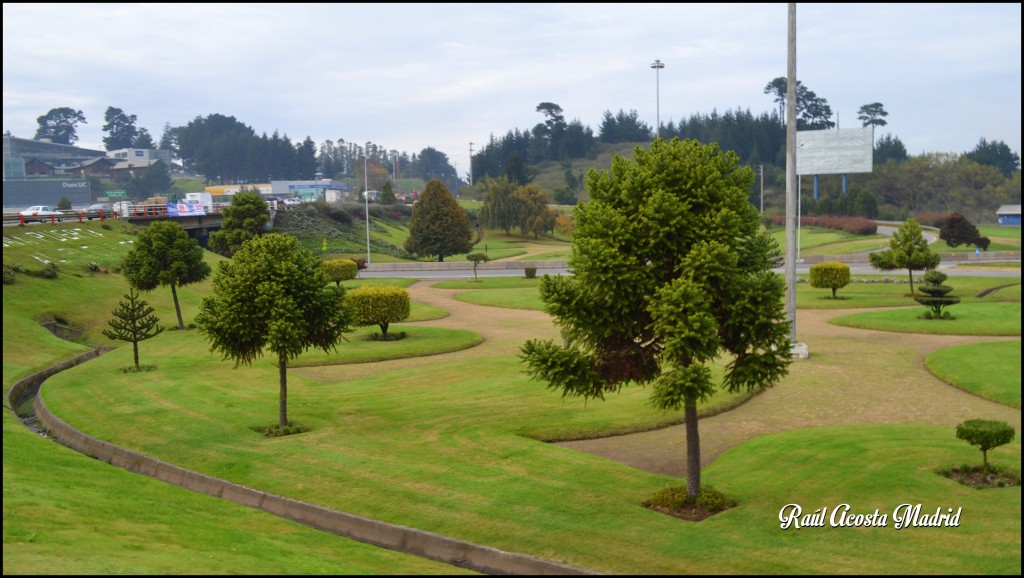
(366,202)
(657,65)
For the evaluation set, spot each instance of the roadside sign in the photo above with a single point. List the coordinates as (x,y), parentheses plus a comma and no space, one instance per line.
(121,194)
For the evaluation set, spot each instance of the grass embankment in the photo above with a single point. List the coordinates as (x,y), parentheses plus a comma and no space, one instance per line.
(65,513)
(991,370)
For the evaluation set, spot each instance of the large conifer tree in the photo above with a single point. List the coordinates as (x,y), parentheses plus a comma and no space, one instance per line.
(439,226)
(671,272)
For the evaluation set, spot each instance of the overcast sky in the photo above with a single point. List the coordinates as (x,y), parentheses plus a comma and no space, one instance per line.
(409,76)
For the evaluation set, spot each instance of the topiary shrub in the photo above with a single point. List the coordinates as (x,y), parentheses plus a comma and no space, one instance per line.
(339,270)
(379,306)
(830,275)
(530,272)
(935,298)
(986,434)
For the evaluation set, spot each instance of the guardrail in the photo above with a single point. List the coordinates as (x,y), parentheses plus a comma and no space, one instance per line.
(140,211)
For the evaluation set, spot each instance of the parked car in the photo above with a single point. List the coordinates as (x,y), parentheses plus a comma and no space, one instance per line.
(97,210)
(123,208)
(42,213)
(293,201)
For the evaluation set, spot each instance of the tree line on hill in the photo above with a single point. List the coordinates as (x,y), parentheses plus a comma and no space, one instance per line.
(226,150)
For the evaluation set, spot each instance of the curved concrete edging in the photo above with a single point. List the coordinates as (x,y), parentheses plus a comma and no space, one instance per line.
(392,536)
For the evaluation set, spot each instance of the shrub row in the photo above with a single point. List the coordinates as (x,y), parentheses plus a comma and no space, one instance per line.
(852,225)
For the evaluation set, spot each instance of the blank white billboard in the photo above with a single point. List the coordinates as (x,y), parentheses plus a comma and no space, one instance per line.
(831,152)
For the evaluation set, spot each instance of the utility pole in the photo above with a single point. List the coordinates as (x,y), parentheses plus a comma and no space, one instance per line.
(762,188)
(470,163)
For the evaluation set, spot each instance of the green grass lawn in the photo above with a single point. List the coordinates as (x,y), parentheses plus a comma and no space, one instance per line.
(449,446)
(419,341)
(818,241)
(66,513)
(970,319)
(866,291)
(991,370)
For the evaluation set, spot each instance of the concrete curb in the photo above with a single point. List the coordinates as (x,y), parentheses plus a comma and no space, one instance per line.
(392,536)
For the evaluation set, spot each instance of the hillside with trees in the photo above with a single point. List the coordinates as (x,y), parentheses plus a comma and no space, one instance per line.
(557,152)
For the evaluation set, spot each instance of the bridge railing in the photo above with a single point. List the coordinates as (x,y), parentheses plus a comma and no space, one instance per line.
(140,211)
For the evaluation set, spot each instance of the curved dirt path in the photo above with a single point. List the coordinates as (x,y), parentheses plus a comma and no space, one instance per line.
(884,383)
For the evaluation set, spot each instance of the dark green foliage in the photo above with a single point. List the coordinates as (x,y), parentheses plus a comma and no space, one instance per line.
(935,296)
(8,274)
(162,255)
(986,434)
(153,181)
(889,148)
(64,204)
(476,259)
(278,430)
(623,127)
(133,322)
(831,275)
(996,154)
(271,296)
(59,125)
(244,219)
(47,271)
(120,128)
(908,250)
(387,196)
(676,500)
(671,271)
(530,272)
(439,226)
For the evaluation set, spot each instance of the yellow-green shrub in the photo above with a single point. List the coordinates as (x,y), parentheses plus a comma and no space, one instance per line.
(379,306)
(339,270)
(830,275)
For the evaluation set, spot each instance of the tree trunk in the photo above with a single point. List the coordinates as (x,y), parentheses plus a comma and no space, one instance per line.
(692,448)
(135,348)
(911,281)
(282,370)
(177,308)
(384,331)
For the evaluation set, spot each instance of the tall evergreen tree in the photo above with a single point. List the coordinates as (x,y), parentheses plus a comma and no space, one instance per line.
(671,271)
(439,226)
(59,125)
(120,128)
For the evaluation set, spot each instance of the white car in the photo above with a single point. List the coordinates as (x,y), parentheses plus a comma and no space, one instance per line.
(293,201)
(42,213)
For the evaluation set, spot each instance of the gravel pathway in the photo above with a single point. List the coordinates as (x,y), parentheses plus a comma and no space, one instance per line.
(884,382)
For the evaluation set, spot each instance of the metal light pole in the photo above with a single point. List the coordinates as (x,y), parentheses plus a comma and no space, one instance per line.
(762,188)
(657,65)
(791,177)
(366,201)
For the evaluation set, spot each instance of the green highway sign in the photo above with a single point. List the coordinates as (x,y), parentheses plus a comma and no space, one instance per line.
(116,194)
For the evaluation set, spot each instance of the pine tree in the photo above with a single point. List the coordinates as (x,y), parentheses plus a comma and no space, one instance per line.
(439,226)
(133,321)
